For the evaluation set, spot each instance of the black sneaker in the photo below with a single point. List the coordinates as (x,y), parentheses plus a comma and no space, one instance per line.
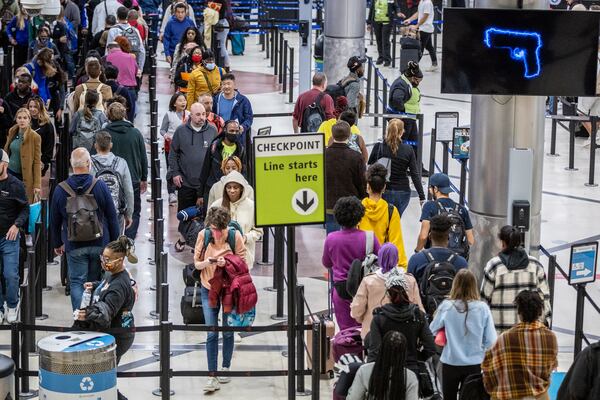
(424,173)
(379,61)
(387,63)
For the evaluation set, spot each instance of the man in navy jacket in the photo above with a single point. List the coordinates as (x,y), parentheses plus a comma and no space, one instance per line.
(83,258)
(175,29)
(231,105)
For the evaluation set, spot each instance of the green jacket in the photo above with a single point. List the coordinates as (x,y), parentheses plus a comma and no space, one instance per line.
(128,143)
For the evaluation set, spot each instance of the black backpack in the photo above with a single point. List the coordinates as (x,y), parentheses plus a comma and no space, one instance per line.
(313,115)
(457,238)
(472,388)
(436,282)
(338,89)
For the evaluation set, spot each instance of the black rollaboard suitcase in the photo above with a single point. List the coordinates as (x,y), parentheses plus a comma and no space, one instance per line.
(191,305)
(410,50)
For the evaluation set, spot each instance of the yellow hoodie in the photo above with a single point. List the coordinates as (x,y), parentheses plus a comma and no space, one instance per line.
(386,229)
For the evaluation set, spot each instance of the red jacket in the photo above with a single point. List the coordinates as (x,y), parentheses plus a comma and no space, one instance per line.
(233,285)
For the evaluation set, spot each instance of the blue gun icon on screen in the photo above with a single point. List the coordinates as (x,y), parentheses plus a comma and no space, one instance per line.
(522,45)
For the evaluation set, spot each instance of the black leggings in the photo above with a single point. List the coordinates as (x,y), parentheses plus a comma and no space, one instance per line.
(427,43)
(453,376)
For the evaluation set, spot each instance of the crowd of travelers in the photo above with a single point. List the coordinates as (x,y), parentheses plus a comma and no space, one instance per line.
(426,328)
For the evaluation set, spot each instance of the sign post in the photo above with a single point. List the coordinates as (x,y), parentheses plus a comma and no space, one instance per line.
(289,176)
(582,270)
(460,152)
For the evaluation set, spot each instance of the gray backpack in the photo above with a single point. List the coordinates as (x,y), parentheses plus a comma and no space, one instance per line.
(132,35)
(83,224)
(114,181)
(85,135)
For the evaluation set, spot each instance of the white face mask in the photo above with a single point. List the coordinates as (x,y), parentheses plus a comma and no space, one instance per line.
(210,66)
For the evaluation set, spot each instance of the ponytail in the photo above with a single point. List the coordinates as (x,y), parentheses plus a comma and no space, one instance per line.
(510,236)
(91,100)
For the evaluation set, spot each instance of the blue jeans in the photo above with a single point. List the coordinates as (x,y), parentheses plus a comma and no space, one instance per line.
(9,250)
(83,266)
(331,224)
(399,198)
(211,318)
(131,232)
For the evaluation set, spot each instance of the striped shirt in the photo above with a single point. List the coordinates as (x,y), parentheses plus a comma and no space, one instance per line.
(501,286)
(519,365)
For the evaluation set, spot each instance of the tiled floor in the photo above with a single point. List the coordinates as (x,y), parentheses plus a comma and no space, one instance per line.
(570,213)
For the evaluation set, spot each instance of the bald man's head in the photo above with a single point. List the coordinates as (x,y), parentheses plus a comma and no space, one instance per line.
(197,115)
(80,161)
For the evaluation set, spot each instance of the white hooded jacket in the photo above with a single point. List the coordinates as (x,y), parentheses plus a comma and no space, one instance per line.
(242,211)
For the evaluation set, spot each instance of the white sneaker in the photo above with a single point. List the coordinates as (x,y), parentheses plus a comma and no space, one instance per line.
(224,379)
(212,385)
(433,68)
(172,198)
(13,315)
(237,338)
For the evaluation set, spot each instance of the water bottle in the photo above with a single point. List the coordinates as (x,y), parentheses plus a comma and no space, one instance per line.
(86,299)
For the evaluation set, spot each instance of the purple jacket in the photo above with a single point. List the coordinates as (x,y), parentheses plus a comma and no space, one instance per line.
(343,247)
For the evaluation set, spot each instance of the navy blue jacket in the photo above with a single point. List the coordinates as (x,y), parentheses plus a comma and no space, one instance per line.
(242,111)
(106,213)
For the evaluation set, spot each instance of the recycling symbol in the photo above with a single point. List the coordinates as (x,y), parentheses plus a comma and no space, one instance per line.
(86,384)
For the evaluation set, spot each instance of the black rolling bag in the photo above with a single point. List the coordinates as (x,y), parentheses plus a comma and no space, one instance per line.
(191,305)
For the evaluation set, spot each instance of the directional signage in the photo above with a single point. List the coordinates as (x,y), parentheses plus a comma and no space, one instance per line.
(582,266)
(290,179)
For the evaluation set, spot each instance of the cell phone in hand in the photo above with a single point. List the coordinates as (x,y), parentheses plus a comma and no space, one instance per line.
(212,260)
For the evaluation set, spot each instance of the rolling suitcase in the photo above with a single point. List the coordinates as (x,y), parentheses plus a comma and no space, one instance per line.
(238,44)
(191,305)
(410,50)
(327,333)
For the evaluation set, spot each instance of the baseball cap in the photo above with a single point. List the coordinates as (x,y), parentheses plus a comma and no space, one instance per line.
(440,181)
(4,157)
(355,62)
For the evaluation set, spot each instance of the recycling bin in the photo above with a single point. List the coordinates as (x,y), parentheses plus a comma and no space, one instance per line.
(7,377)
(78,365)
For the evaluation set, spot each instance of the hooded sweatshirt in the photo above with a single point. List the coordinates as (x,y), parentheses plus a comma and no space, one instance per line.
(408,320)
(372,294)
(128,143)
(216,191)
(188,150)
(121,168)
(387,228)
(504,277)
(173,32)
(242,211)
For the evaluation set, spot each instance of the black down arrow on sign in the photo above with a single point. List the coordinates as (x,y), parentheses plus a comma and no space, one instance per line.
(305,204)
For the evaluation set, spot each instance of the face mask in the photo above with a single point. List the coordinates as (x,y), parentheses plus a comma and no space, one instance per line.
(217,234)
(210,66)
(414,84)
(196,58)
(232,137)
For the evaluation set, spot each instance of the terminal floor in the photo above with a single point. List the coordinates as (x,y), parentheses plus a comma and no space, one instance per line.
(570,213)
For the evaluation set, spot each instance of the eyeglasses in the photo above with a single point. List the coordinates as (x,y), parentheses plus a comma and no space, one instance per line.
(108,261)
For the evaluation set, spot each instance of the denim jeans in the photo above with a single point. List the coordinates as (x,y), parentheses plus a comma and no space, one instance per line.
(9,250)
(211,318)
(331,224)
(83,266)
(399,198)
(131,232)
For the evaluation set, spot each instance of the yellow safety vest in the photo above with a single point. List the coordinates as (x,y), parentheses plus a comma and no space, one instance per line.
(413,105)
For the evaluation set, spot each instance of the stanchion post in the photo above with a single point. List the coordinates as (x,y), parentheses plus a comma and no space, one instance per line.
(284,69)
(593,148)
(384,83)
(40,260)
(369,79)
(265,248)
(571,166)
(164,391)
(15,345)
(291,281)
(281,55)
(273,50)
(553,112)
(551,280)
(432,151)
(445,158)
(278,265)
(394,44)
(300,389)
(376,96)
(291,77)
(420,144)
(463,182)
(276,52)
(579,319)
(44,247)
(316,361)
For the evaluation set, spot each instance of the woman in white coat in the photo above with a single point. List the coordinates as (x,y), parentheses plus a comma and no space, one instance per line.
(236,198)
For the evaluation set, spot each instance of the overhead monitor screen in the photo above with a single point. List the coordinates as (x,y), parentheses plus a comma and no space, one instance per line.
(520,52)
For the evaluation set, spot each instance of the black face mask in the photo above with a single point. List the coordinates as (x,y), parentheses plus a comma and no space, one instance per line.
(232,137)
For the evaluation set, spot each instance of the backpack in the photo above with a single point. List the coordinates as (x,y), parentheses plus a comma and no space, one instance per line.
(83,223)
(313,115)
(231,229)
(114,181)
(472,388)
(99,104)
(361,268)
(457,238)
(85,135)
(338,89)
(436,282)
(132,34)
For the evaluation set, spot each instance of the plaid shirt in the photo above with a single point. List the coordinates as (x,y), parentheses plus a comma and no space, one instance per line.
(501,286)
(519,365)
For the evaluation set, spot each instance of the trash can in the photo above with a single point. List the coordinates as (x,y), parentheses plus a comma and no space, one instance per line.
(78,365)
(7,377)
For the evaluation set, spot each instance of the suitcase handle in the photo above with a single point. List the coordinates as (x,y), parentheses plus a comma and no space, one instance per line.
(194,296)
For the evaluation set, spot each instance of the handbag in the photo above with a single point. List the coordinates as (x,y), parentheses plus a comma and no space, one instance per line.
(241,320)
(440,337)
(386,162)
(35,214)
(425,383)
